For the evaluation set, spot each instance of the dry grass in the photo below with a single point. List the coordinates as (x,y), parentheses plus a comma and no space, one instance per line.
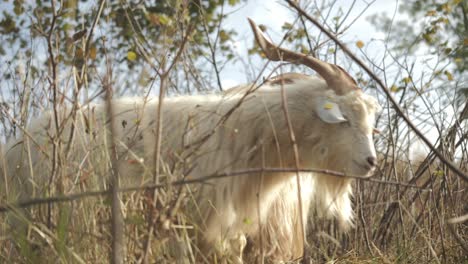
(393,223)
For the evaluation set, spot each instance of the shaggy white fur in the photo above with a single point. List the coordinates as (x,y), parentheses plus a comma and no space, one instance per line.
(209,134)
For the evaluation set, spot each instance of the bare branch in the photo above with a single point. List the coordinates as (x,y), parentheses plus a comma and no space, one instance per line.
(200,180)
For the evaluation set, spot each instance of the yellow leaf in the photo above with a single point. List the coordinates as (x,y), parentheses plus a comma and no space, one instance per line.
(449,75)
(328,106)
(394,88)
(458,60)
(359,44)
(131,56)
(439,173)
(407,80)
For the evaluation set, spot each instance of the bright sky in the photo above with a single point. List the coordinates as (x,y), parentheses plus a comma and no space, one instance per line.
(274,14)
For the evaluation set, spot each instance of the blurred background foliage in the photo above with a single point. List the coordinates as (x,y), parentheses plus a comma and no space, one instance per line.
(439,26)
(126,30)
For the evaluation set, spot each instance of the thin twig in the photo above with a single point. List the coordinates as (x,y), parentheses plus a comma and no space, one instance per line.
(199,180)
(292,137)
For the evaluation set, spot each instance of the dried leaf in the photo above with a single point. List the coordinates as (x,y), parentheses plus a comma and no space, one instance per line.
(92,53)
(78,35)
(359,44)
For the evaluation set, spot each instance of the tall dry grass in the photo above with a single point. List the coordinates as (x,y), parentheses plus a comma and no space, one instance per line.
(393,223)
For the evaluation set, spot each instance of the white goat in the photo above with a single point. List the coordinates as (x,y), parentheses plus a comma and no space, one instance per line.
(331,118)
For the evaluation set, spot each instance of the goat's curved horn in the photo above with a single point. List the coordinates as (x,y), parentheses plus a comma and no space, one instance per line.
(337,78)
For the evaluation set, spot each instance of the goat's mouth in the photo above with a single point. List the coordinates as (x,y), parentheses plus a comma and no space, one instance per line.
(364,169)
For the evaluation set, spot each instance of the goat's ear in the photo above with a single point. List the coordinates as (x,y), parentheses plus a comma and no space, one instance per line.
(329,111)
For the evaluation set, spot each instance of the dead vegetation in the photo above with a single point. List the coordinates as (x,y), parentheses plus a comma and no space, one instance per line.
(415,212)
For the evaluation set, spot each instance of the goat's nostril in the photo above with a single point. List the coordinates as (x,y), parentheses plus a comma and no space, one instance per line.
(372,161)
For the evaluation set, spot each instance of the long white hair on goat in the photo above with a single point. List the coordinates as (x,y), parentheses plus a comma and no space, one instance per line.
(242,128)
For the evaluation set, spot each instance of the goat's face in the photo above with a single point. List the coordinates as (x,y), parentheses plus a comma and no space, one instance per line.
(343,139)
(346,144)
